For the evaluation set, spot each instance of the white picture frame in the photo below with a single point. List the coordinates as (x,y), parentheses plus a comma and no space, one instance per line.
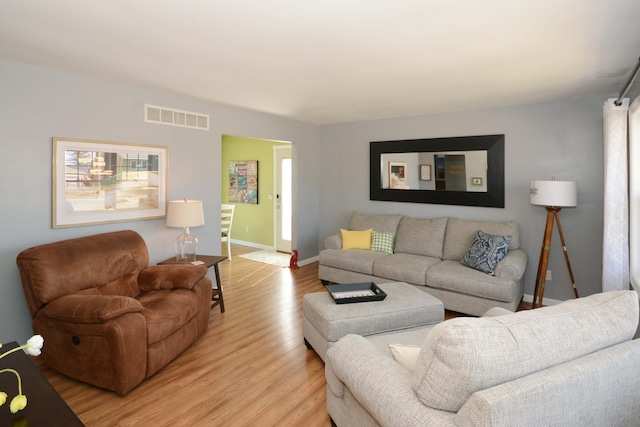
(97,182)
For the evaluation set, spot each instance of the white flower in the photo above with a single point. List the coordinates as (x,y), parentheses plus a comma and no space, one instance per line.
(34,344)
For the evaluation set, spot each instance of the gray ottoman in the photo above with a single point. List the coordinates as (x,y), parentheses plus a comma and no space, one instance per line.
(405,307)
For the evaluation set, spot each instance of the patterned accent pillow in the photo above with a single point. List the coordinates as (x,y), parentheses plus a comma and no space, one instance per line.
(486,251)
(382,242)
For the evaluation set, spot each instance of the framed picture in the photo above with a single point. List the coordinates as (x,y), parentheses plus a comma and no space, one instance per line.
(96,182)
(243,182)
(425,172)
(398,175)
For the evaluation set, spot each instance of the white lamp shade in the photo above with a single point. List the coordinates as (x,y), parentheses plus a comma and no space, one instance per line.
(561,194)
(185,213)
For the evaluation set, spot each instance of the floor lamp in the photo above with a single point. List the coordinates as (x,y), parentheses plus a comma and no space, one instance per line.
(553,195)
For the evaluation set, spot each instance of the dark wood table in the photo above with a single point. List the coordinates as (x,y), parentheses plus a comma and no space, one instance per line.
(209,261)
(44,407)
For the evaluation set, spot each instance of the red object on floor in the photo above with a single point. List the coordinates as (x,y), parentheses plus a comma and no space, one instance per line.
(293,262)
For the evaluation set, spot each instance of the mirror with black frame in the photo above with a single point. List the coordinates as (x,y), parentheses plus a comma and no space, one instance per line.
(465,170)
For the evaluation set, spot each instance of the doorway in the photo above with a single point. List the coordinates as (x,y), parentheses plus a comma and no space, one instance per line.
(283,205)
(254,224)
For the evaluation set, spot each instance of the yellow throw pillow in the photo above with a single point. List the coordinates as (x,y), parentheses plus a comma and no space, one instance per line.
(356,239)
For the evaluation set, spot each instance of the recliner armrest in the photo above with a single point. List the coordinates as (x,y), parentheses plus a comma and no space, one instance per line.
(90,308)
(172,276)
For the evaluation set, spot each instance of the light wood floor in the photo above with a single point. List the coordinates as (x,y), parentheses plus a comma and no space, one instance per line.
(251,368)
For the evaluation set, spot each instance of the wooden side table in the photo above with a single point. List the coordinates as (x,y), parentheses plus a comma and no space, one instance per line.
(44,404)
(209,261)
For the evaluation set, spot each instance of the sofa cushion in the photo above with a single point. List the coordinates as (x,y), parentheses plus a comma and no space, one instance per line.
(356,239)
(405,268)
(421,236)
(453,276)
(460,234)
(355,260)
(387,223)
(382,242)
(486,251)
(464,355)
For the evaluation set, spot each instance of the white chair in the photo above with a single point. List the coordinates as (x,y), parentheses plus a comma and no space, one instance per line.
(227,220)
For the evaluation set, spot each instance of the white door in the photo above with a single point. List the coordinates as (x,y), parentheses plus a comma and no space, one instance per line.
(283,198)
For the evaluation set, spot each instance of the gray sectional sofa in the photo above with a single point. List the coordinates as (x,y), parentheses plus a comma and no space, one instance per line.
(572,364)
(427,254)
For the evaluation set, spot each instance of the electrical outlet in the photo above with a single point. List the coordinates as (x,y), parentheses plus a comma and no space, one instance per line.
(548,276)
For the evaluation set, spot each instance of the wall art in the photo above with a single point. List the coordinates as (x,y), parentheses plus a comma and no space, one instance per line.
(243,182)
(398,175)
(425,172)
(95,182)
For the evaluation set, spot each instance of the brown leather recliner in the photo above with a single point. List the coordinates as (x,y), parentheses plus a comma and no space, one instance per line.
(107,319)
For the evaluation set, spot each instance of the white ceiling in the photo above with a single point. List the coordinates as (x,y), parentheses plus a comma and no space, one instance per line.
(330,61)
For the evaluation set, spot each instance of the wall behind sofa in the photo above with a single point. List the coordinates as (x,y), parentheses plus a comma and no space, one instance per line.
(562,139)
(38,104)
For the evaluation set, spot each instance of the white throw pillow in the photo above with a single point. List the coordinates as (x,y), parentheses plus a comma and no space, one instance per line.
(405,355)
(496,311)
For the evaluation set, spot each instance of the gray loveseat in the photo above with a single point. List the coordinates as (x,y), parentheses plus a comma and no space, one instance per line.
(427,254)
(573,364)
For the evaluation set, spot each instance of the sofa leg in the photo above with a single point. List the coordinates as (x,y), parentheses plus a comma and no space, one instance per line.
(333,423)
(324,282)
(307,344)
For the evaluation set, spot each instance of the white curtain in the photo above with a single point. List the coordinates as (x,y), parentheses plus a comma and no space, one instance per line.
(615,244)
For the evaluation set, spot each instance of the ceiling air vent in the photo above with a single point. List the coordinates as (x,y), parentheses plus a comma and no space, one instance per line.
(173,117)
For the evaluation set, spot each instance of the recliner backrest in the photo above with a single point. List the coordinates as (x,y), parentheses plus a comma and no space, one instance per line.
(72,266)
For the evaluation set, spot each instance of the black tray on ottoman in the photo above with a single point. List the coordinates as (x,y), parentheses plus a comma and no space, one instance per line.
(356,292)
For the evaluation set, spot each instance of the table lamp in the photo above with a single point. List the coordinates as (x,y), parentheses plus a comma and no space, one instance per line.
(553,195)
(185,213)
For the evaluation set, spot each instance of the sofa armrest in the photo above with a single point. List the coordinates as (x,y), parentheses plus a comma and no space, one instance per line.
(171,276)
(512,266)
(586,391)
(333,242)
(90,308)
(380,385)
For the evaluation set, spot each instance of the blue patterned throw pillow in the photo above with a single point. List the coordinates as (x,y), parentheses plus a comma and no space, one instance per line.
(382,242)
(486,251)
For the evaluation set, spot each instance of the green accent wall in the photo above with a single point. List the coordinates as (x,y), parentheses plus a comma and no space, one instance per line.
(259,218)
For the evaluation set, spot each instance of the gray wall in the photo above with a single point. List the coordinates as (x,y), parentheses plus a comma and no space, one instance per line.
(562,139)
(38,104)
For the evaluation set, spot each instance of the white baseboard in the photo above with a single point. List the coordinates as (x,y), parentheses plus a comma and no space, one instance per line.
(253,245)
(308,261)
(545,301)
